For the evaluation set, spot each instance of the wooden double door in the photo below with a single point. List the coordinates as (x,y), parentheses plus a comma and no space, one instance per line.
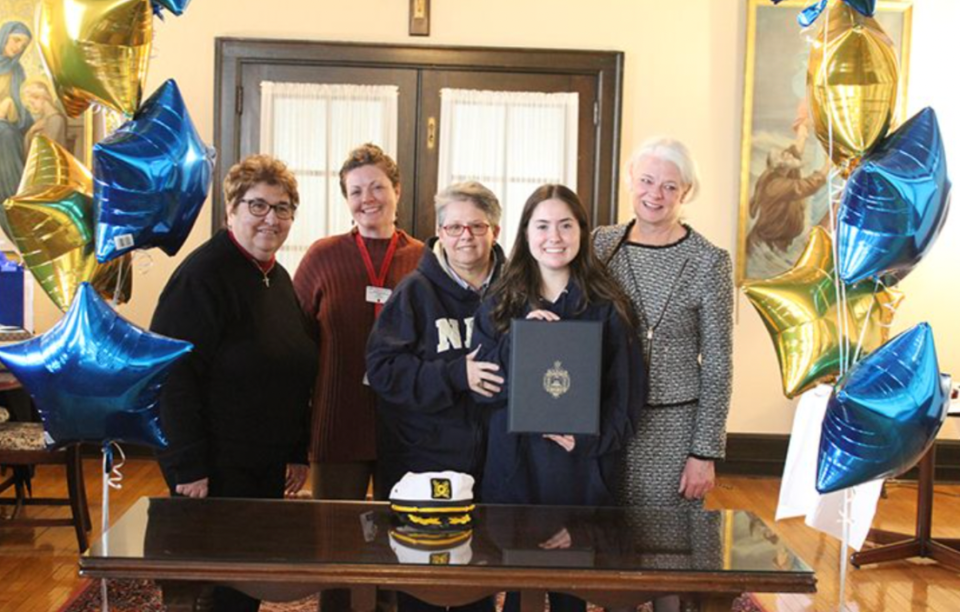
(420,73)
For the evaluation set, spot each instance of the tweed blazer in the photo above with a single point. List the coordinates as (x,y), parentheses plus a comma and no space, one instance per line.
(684,291)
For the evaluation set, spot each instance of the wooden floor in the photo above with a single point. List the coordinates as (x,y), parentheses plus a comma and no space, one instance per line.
(38,567)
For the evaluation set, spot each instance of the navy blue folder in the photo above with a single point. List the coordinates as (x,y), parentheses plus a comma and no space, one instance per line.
(554,378)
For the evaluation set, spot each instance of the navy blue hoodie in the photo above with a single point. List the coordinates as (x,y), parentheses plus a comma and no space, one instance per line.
(530,469)
(416,363)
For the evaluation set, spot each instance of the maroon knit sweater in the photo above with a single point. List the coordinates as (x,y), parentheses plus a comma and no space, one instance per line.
(331,284)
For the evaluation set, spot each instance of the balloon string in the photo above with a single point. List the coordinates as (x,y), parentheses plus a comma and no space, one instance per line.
(842,309)
(846,324)
(112,478)
(116,477)
(838,285)
(845,515)
(107,452)
(866,323)
(141,262)
(891,306)
(833,195)
(117,289)
(105,503)
(835,187)
(823,78)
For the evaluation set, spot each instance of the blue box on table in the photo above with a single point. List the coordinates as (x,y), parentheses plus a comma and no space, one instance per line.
(11,293)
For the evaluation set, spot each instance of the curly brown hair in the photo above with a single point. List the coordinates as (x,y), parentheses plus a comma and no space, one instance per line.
(369,154)
(255,169)
(519,286)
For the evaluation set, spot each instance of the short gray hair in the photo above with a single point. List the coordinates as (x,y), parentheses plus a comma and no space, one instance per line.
(471,191)
(673,151)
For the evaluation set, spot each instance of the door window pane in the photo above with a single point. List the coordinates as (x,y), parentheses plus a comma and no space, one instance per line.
(512,142)
(312,127)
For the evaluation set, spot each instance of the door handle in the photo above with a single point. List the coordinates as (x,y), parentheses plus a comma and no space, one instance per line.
(431,133)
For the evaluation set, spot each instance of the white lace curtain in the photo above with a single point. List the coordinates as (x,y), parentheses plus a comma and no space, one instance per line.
(312,128)
(512,142)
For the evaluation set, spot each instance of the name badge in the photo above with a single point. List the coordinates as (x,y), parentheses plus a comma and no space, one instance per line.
(378,295)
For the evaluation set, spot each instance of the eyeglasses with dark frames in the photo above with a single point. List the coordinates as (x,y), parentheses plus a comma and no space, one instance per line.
(261,208)
(475,229)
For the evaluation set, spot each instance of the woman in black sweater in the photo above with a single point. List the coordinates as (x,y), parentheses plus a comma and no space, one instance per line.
(236,409)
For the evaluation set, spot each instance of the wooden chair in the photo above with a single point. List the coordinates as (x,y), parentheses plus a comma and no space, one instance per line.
(22,448)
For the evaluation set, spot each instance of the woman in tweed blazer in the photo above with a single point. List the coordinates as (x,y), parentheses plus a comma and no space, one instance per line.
(681,287)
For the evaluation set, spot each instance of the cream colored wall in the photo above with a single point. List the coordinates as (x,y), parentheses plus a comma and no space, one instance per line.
(933,290)
(684,67)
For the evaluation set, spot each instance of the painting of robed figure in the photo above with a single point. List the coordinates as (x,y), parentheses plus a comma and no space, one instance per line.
(784,169)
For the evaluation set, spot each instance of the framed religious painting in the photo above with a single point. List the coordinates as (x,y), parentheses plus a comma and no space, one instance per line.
(28,102)
(783,191)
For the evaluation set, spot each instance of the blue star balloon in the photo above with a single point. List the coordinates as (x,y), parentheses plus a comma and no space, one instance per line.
(895,203)
(174,6)
(810,14)
(884,413)
(151,178)
(95,377)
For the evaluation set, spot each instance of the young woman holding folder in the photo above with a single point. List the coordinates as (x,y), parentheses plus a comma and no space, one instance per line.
(553,275)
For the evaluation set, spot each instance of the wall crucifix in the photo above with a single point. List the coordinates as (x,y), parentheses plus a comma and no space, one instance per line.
(419,17)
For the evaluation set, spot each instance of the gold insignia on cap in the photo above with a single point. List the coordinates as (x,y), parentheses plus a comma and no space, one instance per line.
(440,558)
(556,381)
(441,488)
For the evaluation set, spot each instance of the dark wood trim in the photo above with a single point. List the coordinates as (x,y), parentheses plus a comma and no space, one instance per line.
(611,110)
(605,66)
(766,454)
(754,455)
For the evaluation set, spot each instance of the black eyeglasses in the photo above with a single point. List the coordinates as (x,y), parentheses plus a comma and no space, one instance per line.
(262,208)
(475,229)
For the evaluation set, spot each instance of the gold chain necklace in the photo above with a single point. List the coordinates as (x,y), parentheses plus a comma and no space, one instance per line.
(266,279)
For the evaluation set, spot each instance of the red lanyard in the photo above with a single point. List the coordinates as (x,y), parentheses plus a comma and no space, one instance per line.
(381,279)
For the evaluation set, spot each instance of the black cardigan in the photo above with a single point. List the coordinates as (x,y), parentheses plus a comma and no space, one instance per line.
(241,398)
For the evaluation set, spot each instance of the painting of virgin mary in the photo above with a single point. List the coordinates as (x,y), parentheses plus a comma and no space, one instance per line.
(15,119)
(28,104)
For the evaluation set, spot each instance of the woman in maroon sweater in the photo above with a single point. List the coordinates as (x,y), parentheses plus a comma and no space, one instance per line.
(342,283)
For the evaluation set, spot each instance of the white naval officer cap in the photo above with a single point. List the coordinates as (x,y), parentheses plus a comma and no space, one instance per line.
(434,500)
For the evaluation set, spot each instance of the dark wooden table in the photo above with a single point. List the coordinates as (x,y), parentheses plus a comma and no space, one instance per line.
(8,382)
(286,550)
(897,546)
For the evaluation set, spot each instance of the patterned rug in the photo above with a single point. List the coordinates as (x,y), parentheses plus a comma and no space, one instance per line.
(144,596)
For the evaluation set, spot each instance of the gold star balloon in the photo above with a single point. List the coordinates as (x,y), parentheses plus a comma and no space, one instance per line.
(96,51)
(52,221)
(810,326)
(852,80)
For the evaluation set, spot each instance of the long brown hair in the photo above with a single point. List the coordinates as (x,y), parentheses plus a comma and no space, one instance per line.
(519,286)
